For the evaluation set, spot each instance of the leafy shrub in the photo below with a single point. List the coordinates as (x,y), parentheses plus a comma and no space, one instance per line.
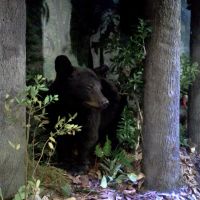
(112,165)
(35,101)
(127,71)
(35,105)
(189,71)
(104,151)
(31,190)
(127,58)
(128,132)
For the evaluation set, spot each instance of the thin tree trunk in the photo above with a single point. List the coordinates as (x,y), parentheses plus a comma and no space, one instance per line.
(12,81)
(194,97)
(161,97)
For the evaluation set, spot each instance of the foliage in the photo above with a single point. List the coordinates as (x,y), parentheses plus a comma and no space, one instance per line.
(31,190)
(35,100)
(111,165)
(189,71)
(108,180)
(64,125)
(128,56)
(123,157)
(128,132)
(127,71)
(104,151)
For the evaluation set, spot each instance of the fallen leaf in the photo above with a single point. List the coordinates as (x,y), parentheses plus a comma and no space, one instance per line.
(76,180)
(71,198)
(84,180)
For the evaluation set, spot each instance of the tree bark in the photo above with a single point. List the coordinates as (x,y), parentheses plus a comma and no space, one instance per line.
(12,81)
(194,97)
(161,162)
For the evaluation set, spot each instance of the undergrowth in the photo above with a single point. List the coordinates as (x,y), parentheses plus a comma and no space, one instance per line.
(126,72)
(189,72)
(113,165)
(35,98)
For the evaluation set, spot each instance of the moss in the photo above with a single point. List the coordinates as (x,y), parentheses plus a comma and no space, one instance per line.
(51,178)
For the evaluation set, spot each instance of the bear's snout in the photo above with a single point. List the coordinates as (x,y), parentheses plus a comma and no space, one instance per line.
(104,103)
(97,104)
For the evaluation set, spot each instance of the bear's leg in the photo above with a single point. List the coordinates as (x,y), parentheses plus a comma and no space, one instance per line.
(88,138)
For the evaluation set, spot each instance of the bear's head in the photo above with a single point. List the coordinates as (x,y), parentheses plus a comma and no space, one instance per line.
(82,85)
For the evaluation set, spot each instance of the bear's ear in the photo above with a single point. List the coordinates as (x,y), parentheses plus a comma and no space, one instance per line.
(63,65)
(101,71)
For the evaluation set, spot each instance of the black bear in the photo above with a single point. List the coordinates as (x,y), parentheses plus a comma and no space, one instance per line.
(111,115)
(80,92)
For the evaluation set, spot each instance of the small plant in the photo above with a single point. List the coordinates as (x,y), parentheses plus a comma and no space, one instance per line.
(35,106)
(111,165)
(31,190)
(127,63)
(118,179)
(128,132)
(35,100)
(62,127)
(127,71)
(104,151)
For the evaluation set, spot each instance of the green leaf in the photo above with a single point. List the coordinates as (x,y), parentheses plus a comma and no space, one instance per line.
(116,167)
(56,97)
(39,77)
(107,147)
(20,196)
(51,146)
(7,108)
(52,139)
(46,100)
(98,151)
(1,194)
(132,177)
(44,89)
(104,183)
(33,91)
(110,178)
(17,146)
(37,183)
(14,146)
(121,178)
(7,96)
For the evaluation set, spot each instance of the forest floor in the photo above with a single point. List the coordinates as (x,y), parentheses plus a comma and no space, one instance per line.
(87,187)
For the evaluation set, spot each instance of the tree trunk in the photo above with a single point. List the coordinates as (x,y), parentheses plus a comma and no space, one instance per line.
(194,97)
(161,97)
(12,81)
